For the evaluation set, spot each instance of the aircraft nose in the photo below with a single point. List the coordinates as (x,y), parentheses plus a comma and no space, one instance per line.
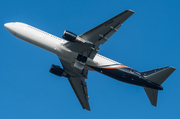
(6,25)
(9,27)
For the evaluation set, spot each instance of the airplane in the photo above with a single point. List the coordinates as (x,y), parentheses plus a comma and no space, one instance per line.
(79,54)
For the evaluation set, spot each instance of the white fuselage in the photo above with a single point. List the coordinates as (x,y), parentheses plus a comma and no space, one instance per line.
(53,44)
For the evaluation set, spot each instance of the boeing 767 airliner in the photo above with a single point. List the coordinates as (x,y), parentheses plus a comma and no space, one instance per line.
(78,55)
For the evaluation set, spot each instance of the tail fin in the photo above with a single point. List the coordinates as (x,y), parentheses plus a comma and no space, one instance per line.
(157,76)
(152,95)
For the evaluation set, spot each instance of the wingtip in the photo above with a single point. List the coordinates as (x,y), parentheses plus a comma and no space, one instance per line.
(155,105)
(131,10)
(173,67)
(87,109)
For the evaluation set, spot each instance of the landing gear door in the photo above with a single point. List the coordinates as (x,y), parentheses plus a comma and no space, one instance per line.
(79,65)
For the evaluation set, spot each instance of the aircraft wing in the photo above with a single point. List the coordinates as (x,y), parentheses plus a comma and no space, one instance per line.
(104,31)
(77,81)
(99,35)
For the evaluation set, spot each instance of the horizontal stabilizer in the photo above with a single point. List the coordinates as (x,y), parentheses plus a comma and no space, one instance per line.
(152,95)
(159,75)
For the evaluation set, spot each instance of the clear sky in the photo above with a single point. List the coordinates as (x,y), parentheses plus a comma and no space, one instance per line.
(149,39)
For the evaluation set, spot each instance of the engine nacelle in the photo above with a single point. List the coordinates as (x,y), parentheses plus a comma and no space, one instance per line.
(73,37)
(69,36)
(57,70)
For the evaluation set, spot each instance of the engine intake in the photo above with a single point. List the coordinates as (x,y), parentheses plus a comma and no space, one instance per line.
(69,36)
(57,70)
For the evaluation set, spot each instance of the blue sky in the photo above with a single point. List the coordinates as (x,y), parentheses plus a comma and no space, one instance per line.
(149,39)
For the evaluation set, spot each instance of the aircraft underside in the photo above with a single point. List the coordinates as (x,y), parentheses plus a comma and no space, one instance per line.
(79,54)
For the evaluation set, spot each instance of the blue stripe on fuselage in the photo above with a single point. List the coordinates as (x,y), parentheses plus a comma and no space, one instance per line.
(127,75)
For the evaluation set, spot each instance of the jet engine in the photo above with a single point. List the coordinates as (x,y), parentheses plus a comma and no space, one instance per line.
(73,37)
(69,36)
(57,70)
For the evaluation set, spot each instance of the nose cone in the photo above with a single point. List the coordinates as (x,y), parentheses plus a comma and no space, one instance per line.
(6,25)
(9,27)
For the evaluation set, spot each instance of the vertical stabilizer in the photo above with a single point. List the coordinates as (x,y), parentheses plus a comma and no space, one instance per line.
(152,95)
(157,76)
